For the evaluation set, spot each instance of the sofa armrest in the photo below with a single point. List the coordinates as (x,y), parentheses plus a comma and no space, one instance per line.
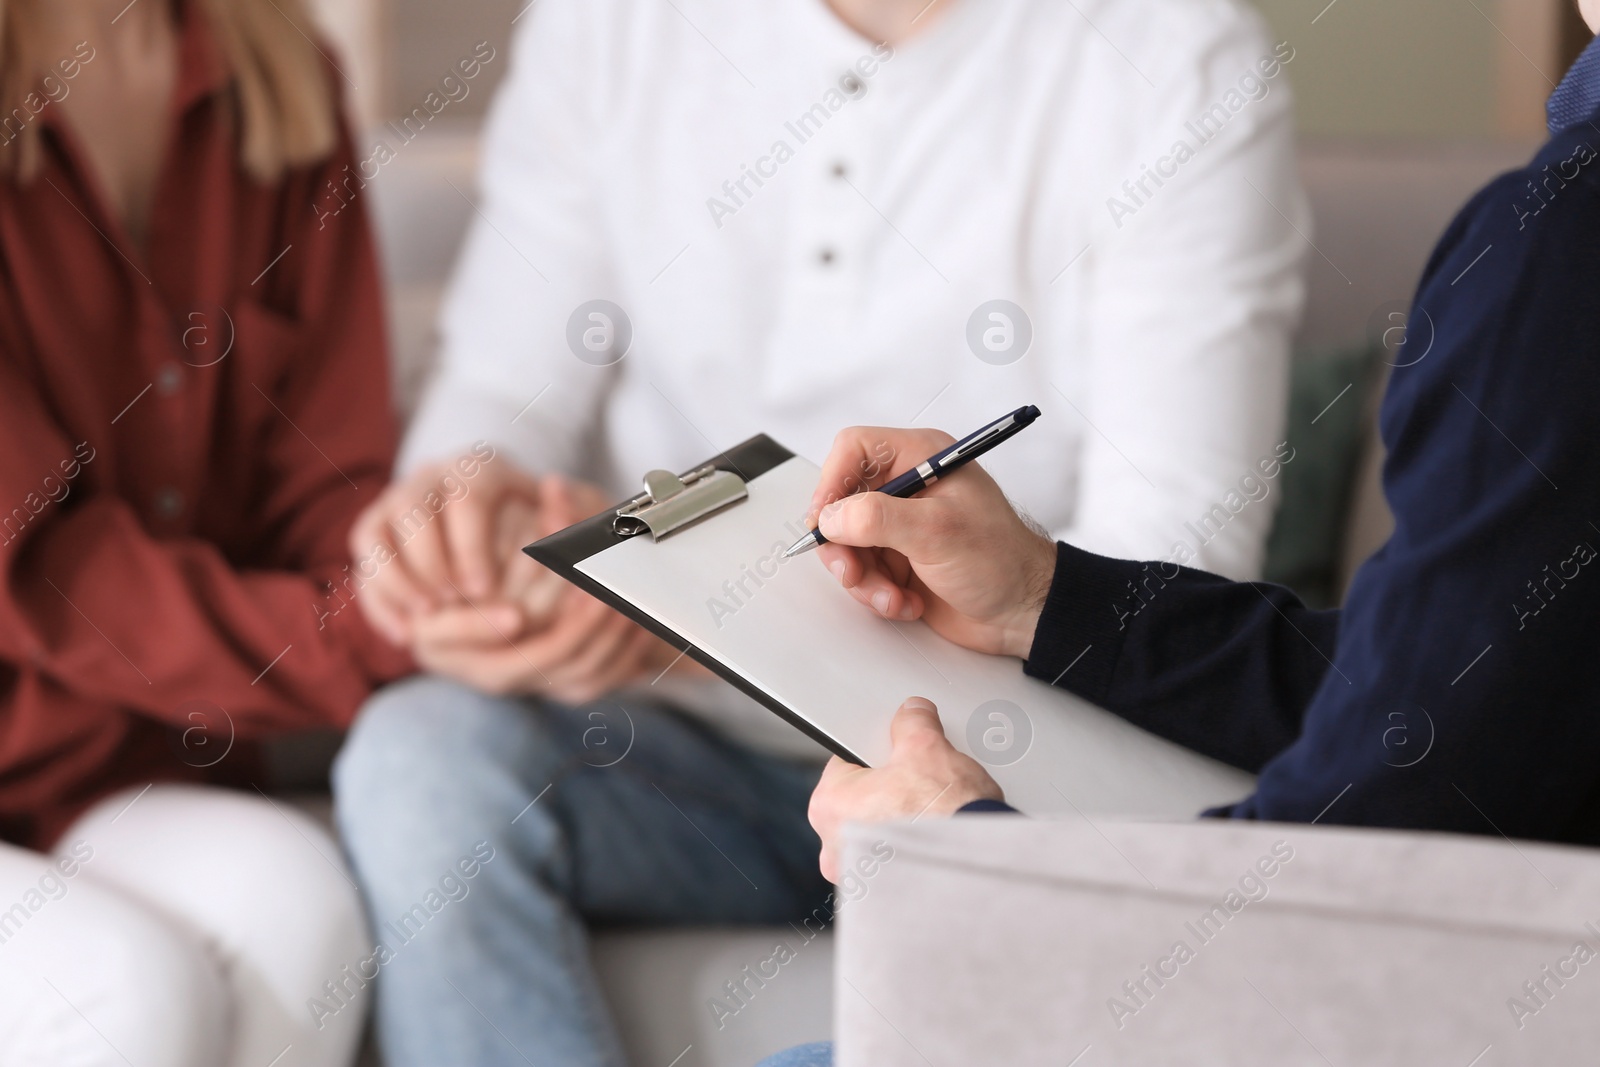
(1001,940)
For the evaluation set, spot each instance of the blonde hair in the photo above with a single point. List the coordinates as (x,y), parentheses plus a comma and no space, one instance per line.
(283,100)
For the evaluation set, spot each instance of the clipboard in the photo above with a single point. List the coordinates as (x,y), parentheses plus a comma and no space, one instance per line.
(694,560)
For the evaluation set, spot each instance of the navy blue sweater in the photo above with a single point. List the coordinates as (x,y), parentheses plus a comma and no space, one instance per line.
(1455,690)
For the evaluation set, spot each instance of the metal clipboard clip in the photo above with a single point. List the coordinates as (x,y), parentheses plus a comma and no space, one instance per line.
(671,502)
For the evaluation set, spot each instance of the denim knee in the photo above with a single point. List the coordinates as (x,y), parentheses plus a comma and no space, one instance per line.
(430,764)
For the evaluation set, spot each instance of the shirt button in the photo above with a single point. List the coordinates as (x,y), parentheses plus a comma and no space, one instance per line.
(840,170)
(826,257)
(852,85)
(168,503)
(169,379)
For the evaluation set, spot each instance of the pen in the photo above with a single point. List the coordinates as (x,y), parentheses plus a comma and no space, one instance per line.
(938,465)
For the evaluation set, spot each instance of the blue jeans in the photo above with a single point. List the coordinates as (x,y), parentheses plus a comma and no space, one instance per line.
(593,815)
(819,1054)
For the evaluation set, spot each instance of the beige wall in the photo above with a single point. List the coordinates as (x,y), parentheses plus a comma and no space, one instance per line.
(1431,68)
(1407,68)
(434,35)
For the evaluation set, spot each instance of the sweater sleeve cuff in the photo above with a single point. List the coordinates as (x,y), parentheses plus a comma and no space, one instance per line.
(985,804)
(1081,630)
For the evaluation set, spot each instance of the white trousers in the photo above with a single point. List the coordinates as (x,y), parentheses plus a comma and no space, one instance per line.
(180,927)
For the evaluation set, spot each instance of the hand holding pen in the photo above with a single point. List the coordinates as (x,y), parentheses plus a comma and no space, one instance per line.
(946,461)
(956,555)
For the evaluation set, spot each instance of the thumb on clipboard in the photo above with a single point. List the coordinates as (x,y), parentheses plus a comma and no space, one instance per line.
(925,775)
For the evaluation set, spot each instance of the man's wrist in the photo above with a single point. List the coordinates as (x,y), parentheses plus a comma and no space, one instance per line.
(1039,572)
(956,796)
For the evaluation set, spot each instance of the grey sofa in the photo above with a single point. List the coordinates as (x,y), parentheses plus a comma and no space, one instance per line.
(1001,942)
(1021,942)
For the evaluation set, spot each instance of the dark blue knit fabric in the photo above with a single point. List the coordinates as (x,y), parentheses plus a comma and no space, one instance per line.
(1459,687)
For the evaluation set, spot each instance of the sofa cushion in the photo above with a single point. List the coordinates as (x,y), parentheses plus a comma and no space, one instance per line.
(684,997)
(1330,396)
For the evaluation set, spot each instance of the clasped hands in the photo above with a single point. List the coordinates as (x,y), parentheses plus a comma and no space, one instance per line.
(459,593)
(959,557)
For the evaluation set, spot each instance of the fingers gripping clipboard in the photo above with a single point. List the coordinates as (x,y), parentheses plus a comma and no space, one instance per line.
(696,559)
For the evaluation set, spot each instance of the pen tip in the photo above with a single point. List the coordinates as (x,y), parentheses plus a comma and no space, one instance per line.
(805,544)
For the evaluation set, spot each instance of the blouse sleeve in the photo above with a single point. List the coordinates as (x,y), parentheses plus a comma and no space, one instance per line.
(103,609)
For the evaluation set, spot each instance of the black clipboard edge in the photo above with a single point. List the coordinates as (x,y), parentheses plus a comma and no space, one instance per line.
(563,550)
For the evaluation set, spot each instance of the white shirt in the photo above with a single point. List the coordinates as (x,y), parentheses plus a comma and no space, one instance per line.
(799,227)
